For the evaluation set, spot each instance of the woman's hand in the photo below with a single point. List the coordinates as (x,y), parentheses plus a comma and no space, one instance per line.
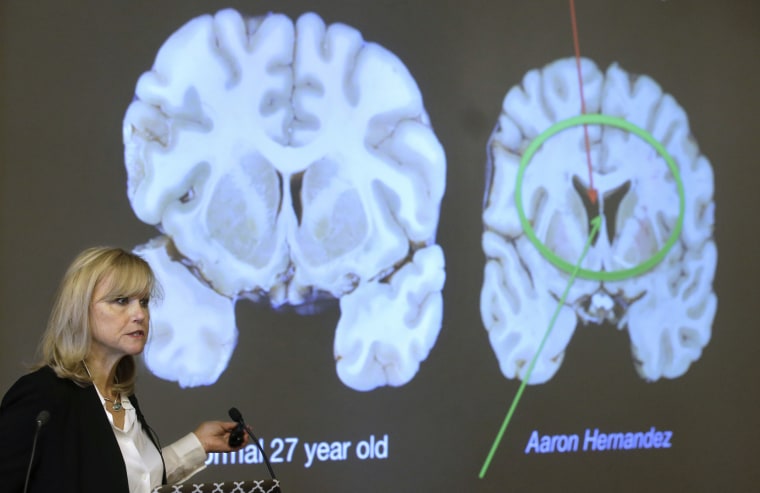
(215,436)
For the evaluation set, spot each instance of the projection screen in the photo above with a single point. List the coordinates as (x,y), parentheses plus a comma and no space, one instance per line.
(421,246)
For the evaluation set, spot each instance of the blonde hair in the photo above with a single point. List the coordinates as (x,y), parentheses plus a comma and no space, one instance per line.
(66,340)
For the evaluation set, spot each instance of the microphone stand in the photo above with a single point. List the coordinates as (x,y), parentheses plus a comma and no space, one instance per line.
(42,418)
(238,418)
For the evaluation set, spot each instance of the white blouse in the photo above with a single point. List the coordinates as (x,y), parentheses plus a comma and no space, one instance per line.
(183,458)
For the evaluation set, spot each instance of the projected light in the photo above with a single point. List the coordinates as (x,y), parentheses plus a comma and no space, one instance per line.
(287,162)
(650,267)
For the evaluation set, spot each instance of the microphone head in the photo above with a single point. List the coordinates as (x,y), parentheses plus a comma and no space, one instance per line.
(43,417)
(235,414)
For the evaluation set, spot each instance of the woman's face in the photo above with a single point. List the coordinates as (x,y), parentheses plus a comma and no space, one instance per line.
(119,323)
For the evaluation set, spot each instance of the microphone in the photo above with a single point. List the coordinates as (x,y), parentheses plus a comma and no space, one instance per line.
(235,435)
(41,419)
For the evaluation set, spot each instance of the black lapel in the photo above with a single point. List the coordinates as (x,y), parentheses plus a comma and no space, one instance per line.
(101,460)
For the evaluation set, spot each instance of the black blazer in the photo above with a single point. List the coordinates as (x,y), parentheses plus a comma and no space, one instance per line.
(77,451)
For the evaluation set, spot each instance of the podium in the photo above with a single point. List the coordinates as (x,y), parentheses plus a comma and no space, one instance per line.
(249,486)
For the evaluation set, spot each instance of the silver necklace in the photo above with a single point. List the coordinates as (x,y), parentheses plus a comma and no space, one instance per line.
(115,404)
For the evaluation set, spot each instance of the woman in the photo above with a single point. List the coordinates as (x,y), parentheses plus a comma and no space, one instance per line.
(96,439)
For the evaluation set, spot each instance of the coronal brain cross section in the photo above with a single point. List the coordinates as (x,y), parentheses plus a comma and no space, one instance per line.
(668,308)
(286,162)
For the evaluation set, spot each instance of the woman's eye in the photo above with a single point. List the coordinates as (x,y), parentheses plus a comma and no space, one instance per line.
(144,302)
(121,300)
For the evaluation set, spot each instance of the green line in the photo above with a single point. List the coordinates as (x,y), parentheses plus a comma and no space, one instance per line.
(595,225)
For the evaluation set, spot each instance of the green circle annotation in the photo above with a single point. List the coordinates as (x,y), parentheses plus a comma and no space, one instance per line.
(557,261)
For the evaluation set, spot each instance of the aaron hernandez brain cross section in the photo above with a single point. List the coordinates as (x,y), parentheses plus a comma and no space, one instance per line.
(286,162)
(647,207)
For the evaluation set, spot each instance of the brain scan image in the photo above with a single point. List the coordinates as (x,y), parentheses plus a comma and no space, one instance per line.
(649,267)
(286,162)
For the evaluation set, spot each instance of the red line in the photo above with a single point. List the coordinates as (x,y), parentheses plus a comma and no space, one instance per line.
(591,189)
